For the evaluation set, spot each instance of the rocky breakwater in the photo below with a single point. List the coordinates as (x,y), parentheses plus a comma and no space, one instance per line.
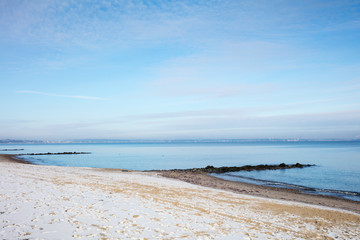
(261,167)
(59,153)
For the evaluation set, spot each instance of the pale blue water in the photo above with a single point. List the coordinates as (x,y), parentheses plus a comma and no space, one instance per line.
(337,172)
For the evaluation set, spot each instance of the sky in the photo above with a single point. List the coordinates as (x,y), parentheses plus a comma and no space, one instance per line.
(131,69)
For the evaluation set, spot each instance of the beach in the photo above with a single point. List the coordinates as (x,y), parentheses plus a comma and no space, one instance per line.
(51,202)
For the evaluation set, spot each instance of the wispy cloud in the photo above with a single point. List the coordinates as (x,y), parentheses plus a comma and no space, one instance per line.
(111,22)
(128,22)
(60,95)
(224,71)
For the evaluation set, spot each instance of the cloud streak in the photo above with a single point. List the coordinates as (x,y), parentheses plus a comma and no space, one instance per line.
(220,123)
(60,95)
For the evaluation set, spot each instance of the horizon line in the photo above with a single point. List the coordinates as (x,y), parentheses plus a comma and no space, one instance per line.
(204,140)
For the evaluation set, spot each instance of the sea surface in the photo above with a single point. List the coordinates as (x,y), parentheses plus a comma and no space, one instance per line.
(337,170)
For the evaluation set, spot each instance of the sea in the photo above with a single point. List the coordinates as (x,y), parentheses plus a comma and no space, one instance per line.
(337,170)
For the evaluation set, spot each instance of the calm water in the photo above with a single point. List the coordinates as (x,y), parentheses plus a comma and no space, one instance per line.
(337,172)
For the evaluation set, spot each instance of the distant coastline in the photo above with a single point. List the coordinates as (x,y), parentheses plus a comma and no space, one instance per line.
(257,140)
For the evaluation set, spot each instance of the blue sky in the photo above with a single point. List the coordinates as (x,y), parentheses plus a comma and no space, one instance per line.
(179,69)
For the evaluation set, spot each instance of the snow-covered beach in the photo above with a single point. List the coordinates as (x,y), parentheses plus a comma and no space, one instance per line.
(49,202)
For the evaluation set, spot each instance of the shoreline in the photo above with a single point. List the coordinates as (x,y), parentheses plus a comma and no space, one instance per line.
(285,194)
(13,158)
(46,202)
(205,180)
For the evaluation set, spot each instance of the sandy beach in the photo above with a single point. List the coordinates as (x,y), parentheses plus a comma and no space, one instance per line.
(50,202)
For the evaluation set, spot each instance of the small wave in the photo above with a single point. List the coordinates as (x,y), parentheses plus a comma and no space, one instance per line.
(339,192)
(275,183)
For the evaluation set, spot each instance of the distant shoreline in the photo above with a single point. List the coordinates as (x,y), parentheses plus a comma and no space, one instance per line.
(144,141)
(206,180)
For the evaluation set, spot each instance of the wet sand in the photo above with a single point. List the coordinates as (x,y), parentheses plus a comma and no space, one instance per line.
(50,202)
(206,180)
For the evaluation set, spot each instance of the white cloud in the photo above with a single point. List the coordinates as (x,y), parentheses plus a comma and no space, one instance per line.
(60,95)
